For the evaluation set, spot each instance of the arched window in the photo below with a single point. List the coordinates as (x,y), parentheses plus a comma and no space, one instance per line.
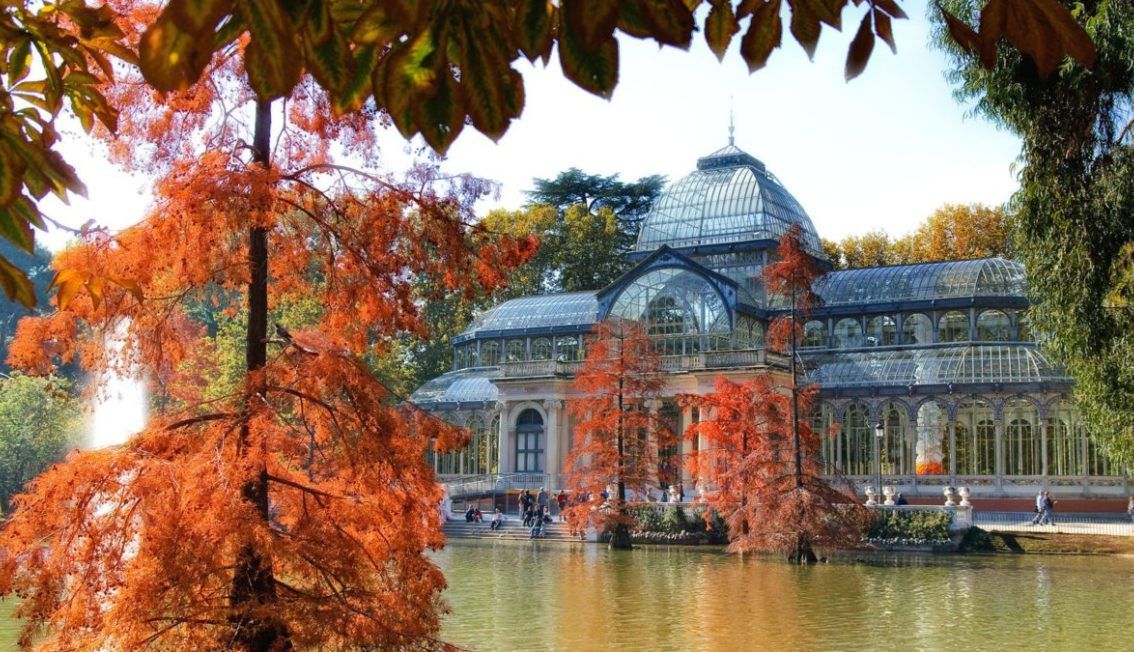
(932,445)
(541,348)
(953,326)
(460,357)
(489,353)
(515,351)
(917,329)
(567,349)
(895,449)
(1022,441)
(994,326)
(680,308)
(529,442)
(976,439)
(1064,441)
(823,425)
(881,331)
(815,333)
(853,449)
(848,333)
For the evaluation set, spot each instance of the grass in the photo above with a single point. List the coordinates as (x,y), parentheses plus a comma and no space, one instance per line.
(1045,543)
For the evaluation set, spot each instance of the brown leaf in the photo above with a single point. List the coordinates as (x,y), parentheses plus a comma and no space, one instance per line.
(860,49)
(591,22)
(891,8)
(805,26)
(765,33)
(884,30)
(720,26)
(1046,31)
(963,35)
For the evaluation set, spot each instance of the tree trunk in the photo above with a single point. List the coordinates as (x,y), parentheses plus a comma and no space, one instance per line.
(253,582)
(802,552)
(620,538)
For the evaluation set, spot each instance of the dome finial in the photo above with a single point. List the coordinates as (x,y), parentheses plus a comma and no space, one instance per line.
(731,124)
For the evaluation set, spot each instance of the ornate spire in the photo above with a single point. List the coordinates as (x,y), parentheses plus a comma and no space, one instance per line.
(731,125)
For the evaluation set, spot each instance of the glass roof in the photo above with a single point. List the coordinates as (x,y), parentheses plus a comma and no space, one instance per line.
(549,310)
(923,282)
(671,301)
(936,366)
(464,386)
(730,198)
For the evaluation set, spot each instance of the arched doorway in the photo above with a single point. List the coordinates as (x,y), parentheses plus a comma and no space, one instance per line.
(529,442)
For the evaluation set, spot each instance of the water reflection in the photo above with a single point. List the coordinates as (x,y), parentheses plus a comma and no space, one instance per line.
(544,596)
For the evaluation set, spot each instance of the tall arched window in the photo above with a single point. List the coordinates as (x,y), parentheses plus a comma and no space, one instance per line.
(541,348)
(917,329)
(881,331)
(994,326)
(895,449)
(1022,441)
(932,445)
(529,442)
(1064,441)
(847,334)
(854,445)
(815,333)
(976,439)
(953,326)
(489,353)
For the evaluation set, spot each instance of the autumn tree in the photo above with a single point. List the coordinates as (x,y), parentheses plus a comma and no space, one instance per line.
(762,463)
(628,201)
(617,433)
(952,232)
(764,472)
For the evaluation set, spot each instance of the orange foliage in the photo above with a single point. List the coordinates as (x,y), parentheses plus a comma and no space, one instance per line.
(747,461)
(309,482)
(617,432)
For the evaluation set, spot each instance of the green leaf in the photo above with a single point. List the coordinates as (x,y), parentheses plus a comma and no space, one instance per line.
(376,26)
(273,69)
(16,230)
(172,59)
(765,33)
(356,89)
(330,61)
(720,26)
(19,60)
(594,70)
(410,72)
(198,16)
(319,28)
(860,49)
(492,91)
(16,284)
(440,117)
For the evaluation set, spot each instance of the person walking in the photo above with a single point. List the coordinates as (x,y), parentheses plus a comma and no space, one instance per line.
(1130,508)
(1038,508)
(542,500)
(1048,509)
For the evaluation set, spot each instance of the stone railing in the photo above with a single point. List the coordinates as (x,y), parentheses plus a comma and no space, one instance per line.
(669,363)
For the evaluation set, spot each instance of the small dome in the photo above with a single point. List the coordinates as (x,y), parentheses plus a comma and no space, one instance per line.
(730,198)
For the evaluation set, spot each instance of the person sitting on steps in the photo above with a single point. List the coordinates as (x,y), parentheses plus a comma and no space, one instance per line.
(497,520)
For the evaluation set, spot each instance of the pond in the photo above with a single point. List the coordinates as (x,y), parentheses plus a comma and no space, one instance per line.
(548,596)
(545,596)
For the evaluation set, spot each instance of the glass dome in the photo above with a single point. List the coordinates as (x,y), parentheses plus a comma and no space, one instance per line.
(730,198)
(937,366)
(964,279)
(544,311)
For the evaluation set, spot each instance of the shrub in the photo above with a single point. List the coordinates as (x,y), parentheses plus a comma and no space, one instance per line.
(674,520)
(920,525)
(646,519)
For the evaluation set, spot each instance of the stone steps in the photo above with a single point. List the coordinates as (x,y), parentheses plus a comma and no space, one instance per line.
(512,530)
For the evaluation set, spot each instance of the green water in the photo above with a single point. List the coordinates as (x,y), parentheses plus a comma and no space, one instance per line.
(547,596)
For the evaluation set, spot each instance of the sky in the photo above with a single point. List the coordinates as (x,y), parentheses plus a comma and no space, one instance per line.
(880,152)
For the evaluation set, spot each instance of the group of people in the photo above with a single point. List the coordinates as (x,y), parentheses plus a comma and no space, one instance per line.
(1044,508)
(536,510)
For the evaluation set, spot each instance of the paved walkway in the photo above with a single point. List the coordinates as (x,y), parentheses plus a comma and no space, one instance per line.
(1069,523)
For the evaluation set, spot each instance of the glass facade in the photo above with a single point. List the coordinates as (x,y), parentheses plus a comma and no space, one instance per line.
(681,308)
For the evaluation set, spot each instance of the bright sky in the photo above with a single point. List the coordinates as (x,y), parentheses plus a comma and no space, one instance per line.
(882,151)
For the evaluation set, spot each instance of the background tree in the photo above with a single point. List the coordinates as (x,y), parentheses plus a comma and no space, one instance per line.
(617,432)
(39,423)
(1075,206)
(590,252)
(628,201)
(764,473)
(952,232)
(37,268)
